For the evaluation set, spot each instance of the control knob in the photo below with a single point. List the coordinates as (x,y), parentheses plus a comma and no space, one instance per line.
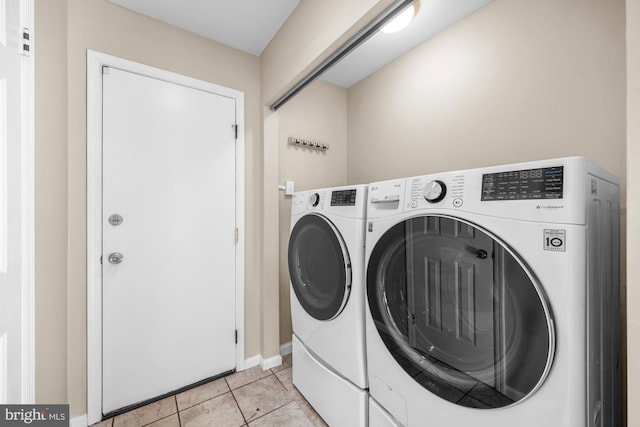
(314,199)
(435,191)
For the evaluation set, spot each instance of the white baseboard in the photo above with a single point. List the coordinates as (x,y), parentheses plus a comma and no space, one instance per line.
(268,363)
(80,421)
(271,362)
(285,348)
(251,362)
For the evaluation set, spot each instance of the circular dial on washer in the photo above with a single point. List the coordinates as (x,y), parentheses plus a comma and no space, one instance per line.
(314,199)
(435,191)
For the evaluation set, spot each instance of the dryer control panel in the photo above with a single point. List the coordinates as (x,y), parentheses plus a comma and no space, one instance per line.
(542,184)
(343,198)
(347,201)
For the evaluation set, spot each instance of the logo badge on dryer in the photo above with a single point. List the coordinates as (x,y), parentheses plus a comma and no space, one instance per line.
(554,240)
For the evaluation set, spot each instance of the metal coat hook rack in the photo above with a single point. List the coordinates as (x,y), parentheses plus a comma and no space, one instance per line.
(308,143)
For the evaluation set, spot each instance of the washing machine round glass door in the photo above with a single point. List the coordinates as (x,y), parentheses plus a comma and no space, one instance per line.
(459,312)
(319,267)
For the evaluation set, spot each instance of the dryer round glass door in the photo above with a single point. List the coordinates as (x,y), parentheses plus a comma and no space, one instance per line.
(319,267)
(459,312)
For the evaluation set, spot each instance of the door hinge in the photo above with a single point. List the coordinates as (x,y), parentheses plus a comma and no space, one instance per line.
(105,69)
(236,336)
(235,130)
(26,42)
(236,232)
(100,259)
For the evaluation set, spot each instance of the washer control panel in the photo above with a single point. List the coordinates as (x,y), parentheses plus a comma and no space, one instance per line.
(445,191)
(543,191)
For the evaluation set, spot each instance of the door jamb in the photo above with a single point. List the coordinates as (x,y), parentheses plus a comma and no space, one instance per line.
(95,62)
(28,389)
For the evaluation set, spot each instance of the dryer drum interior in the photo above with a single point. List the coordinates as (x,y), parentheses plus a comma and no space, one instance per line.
(319,267)
(459,313)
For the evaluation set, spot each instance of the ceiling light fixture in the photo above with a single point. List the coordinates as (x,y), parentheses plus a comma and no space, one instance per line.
(403,20)
(356,40)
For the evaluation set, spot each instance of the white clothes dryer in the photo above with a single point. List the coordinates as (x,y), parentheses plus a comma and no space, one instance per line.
(493,296)
(326,267)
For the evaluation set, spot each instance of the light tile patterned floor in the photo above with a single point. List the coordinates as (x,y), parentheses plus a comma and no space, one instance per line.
(253,398)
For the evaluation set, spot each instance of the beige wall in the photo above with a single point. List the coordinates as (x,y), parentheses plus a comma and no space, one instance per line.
(102,26)
(633,209)
(51,200)
(518,80)
(318,113)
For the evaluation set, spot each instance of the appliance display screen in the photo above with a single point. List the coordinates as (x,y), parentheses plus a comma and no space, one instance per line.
(343,198)
(544,183)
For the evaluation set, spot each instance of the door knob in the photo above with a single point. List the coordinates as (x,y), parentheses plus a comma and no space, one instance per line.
(482,254)
(115,258)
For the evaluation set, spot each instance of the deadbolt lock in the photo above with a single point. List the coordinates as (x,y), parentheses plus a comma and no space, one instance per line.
(115,219)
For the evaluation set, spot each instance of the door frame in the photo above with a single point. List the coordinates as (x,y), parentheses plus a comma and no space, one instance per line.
(26,208)
(95,63)
(28,351)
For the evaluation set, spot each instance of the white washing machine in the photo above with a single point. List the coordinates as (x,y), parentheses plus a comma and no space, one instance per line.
(379,417)
(326,266)
(493,296)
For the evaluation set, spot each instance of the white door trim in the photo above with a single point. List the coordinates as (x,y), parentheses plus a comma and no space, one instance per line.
(28,209)
(95,62)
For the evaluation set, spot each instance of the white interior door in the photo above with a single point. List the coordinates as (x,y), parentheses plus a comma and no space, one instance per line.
(13,217)
(169,174)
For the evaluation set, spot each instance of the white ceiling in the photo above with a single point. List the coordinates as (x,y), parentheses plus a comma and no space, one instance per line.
(249,25)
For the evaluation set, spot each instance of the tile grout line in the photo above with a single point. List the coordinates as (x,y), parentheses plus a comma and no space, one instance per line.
(159,419)
(175,397)
(282,406)
(282,384)
(305,414)
(165,417)
(293,399)
(234,397)
(237,404)
(204,401)
(208,400)
(250,382)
